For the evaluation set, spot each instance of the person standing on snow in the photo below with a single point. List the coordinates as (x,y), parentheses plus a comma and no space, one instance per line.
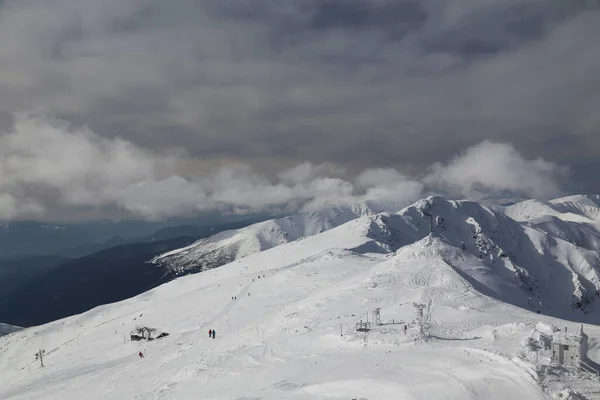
(214,333)
(141,355)
(210,332)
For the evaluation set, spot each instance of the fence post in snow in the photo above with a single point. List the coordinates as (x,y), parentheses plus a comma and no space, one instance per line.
(42,357)
(38,356)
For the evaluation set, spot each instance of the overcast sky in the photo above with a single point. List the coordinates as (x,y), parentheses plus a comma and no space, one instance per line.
(156,108)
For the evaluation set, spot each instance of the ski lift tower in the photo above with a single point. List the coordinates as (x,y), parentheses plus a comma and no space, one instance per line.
(377,316)
(420,309)
(363,326)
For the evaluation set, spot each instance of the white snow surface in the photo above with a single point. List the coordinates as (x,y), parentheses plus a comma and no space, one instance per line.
(578,208)
(234,244)
(278,315)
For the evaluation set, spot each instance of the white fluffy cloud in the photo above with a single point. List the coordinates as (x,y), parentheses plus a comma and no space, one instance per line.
(354,82)
(46,164)
(494,168)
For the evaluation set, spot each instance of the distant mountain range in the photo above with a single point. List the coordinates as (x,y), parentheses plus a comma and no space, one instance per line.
(6,329)
(124,271)
(42,288)
(78,285)
(162,234)
(15,273)
(25,239)
(528,244)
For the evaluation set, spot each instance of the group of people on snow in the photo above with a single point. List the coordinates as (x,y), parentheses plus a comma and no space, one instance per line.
(211,332)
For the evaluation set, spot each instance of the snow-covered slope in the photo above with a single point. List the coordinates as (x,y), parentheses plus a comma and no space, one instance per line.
(231,245)
(279,314)
(586,205)
(528,256)
(530,210)
(575,219)
(6,329)
(579,208)
(530,267)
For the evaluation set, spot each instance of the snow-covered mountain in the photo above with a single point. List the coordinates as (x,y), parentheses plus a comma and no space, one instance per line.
(586,205)
(286,319)
(575,219)
(578,208)
(38,290)
(525,253)
(546,269)
(6,329)
(232,245)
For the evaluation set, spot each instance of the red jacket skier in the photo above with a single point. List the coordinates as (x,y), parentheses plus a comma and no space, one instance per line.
(210,333)
(141,355)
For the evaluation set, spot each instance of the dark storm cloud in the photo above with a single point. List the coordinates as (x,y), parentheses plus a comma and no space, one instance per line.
(272,83)
(501,25)
(392,17)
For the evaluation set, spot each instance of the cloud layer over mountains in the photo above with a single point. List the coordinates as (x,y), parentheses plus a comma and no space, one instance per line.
(47,165)
(271,84)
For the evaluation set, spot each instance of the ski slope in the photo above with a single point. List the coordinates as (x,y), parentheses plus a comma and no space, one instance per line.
(290,331)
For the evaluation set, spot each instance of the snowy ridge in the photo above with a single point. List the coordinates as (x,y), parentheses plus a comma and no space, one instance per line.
(575,219)
(526,257)
(530,210)
(579,208)
(581,234)
(232,245)
(512,261)
(586,205)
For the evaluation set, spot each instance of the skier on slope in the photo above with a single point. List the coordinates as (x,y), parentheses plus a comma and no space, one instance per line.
(210,333)
(214,333)
(141,354)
